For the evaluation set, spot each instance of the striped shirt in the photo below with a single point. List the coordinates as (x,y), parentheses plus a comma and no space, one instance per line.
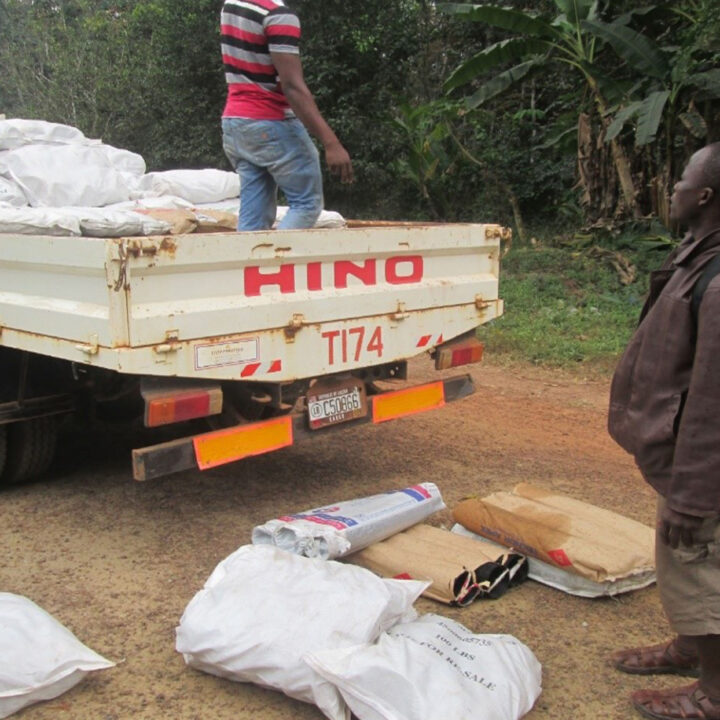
(250,31)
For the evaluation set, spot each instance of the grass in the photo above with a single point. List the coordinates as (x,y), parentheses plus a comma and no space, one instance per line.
(567,308)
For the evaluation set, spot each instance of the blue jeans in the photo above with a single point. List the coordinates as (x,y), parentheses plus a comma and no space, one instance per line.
(268,154)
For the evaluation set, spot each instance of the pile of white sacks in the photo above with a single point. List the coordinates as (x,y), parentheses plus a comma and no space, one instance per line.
(350,642)
(56,181)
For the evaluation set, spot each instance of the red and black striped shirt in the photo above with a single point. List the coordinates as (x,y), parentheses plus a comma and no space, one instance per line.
(250,31)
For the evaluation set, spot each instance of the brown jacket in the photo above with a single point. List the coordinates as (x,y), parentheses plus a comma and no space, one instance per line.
(665,394)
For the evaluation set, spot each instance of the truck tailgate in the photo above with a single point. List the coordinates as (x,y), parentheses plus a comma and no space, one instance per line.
(264,305)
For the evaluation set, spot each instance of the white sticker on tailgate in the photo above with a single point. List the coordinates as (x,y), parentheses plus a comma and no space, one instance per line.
(236,352)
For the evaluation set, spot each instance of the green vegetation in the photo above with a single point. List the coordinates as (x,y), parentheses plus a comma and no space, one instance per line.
(567,307)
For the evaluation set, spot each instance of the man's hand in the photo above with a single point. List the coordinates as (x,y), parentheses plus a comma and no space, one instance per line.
(676,527)
(290,71)
(338,160)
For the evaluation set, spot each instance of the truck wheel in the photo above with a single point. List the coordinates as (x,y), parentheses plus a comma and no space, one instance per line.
(30,448)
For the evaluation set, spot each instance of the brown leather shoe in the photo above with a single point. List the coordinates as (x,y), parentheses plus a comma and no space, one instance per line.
(663,659)
(683,703)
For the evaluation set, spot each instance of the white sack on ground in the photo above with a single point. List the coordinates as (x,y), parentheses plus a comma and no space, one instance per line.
(196,186)
(433,668)
(335,530)
(38,221)
(262,609)
(65,175)
(39,658)
(16,132)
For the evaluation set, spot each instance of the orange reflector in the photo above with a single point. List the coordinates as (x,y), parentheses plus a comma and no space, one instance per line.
(406,402)
(180,406)
(224,446)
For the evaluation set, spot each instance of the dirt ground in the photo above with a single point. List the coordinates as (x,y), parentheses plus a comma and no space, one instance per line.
(117,561)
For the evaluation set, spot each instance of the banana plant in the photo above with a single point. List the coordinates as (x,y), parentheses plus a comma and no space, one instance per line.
(426,159)
(668,80)
(662,104)
(570,38)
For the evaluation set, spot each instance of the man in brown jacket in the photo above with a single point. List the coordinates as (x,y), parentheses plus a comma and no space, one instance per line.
(665,411)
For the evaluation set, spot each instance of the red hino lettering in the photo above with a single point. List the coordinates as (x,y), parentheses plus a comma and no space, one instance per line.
(395,277)
(284,277)
(365,273)
(398,270)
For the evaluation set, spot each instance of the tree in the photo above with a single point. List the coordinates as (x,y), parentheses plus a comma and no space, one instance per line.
(145,74)
(568,38)
(676,69)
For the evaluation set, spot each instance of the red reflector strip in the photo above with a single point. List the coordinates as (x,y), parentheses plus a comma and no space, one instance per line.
(249,370)
(466,353)
(182,406)
(275,366)
(224,446)
(389,406)
(191,407)
(424,340)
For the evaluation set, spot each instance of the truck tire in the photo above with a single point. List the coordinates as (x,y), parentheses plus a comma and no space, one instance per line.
(30,448)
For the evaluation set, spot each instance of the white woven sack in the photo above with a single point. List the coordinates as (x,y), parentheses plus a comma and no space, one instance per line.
(39,658)
(326,219)
(106,222)
(16,132)
(65,175)
(196,186)
(38,221)
(162,202)
(434,668)
(262,609)
(124,161)
(11,195)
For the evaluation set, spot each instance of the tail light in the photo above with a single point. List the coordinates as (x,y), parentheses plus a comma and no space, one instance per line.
(464,351)
(165,407)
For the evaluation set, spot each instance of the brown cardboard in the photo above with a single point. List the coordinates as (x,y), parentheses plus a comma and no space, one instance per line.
(215,220)
(460,568)
(578,537)
(181,221)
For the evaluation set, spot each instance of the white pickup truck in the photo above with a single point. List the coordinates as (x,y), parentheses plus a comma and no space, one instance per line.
(270,337)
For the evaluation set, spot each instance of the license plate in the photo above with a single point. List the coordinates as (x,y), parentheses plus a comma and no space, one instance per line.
(329,404)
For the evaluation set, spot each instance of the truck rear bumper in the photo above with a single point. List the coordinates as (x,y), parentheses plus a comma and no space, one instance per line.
(248,439)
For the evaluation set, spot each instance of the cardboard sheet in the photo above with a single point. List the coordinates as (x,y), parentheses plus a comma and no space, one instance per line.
(574,536)
(461,569)
(570,583)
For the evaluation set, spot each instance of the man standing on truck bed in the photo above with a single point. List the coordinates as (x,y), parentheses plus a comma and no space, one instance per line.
(665,410)
(268,109)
